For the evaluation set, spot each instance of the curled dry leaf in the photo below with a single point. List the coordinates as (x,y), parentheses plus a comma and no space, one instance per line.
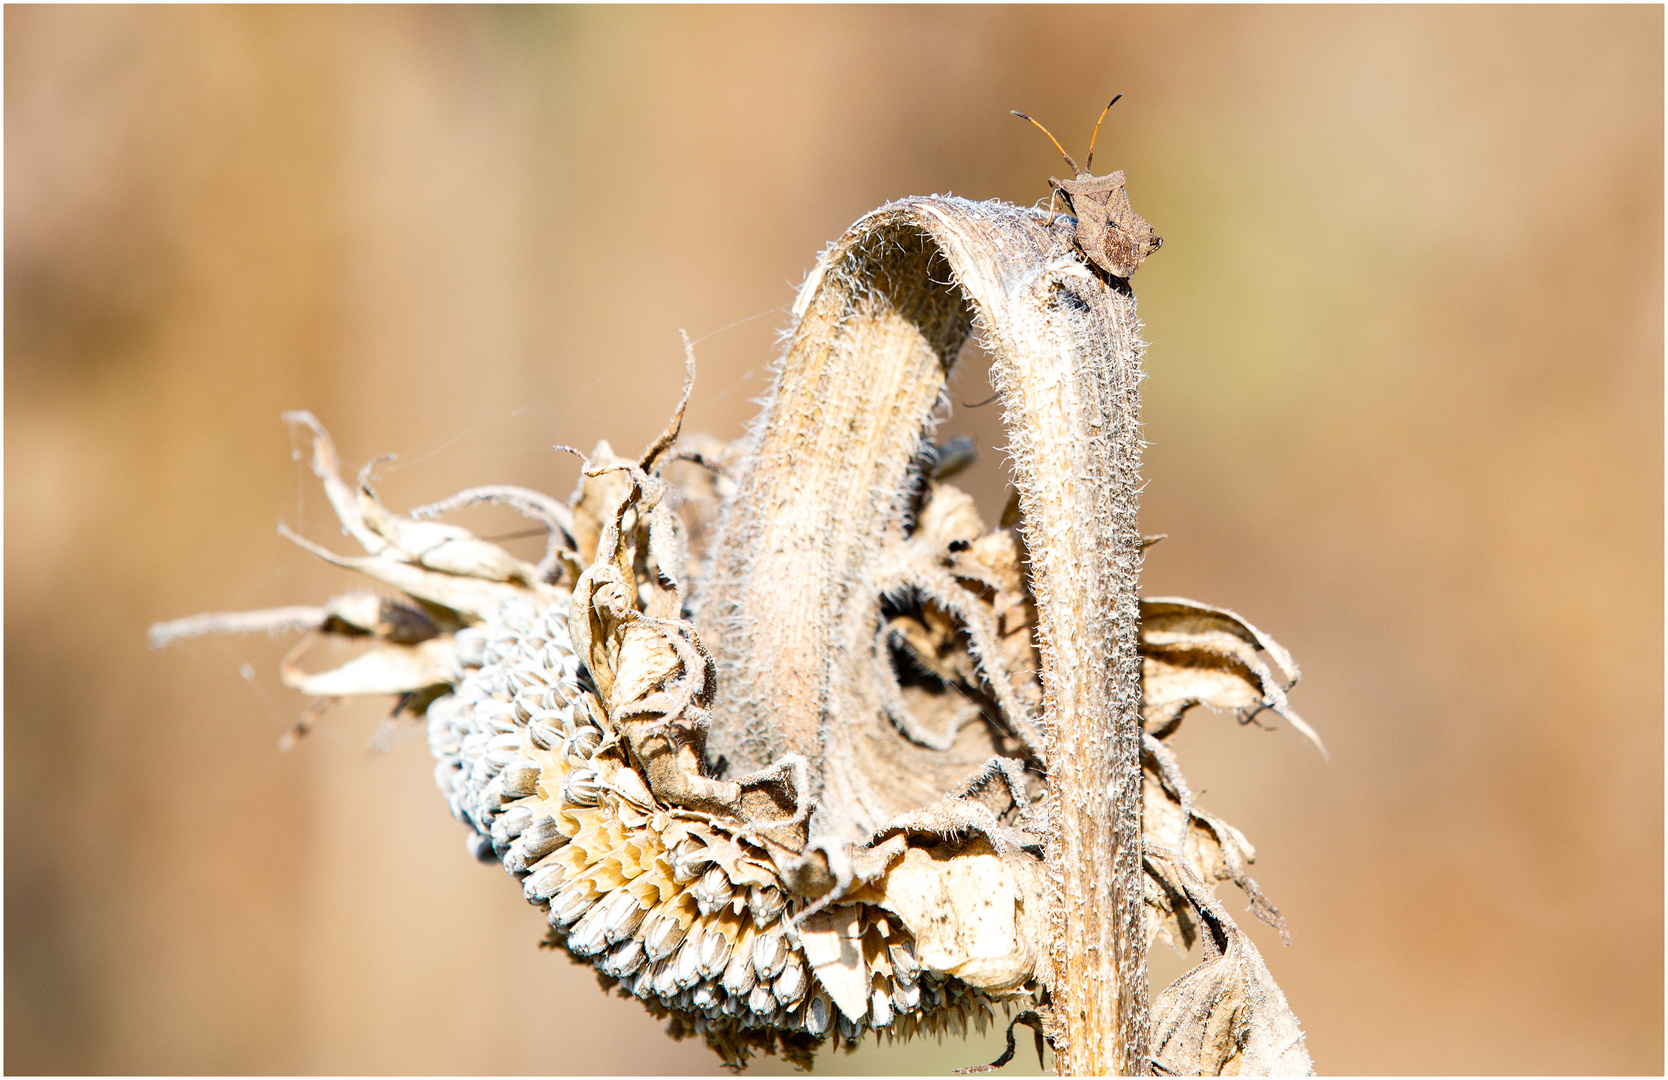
(1226,1017)
(788,743)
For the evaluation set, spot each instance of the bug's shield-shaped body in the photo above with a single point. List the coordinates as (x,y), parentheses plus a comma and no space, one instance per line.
(1110,232)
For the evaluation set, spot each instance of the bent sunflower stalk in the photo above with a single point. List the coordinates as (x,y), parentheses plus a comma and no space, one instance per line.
(790,745)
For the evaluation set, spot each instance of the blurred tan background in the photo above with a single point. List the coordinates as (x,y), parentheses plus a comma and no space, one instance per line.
(1405,409)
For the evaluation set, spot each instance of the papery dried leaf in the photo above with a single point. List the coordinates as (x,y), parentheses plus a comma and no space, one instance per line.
(833,946)
(973,913)
(381,669)
(1195,654)
(1226,1016)
(1215,851)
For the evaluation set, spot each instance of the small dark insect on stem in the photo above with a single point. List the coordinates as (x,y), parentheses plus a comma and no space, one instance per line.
(1109,232)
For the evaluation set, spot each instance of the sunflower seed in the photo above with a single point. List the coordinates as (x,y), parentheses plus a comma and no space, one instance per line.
(880,1008)
(766,903)
(625,915)
(625,959)
(905,967)
(703,997)
(715,953)
(582,787)
(573,901)
(818,1014)
(738,973)
(665,981)
(770,953)
(511,824)
(502,750)
(761,1000)
(906,998)
(469,645)
(494,715)
(535,842)
(790,985)
(663,935)
(713,891)
(587,937)
(543,735)
(688,968)
(519,779)
(542,884)
(481,847)
(585,742)
(687,858)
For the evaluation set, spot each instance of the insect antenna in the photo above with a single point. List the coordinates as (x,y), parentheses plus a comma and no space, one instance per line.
(1051,139)
(1090,160)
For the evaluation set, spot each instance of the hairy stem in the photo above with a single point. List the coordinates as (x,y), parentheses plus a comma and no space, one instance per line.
(792,596)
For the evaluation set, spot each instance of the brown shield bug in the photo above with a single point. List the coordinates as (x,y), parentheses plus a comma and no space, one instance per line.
(1109,231)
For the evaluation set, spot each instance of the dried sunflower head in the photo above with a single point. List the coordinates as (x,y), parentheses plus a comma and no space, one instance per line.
(795,770)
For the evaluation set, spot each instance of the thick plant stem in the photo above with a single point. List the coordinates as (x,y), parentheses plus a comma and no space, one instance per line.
(1079,464)
(880,323)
